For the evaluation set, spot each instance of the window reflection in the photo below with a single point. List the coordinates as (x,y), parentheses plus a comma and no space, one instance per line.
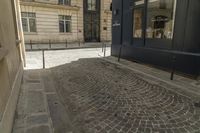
(160,19)
(139,2)
(138,18)
(137,26)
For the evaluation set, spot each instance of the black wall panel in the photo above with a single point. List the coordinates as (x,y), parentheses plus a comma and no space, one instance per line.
(192,34)
(185,46)
(117,21)
(180,23)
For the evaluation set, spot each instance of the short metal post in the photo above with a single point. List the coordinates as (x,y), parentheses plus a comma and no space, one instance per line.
(43,59)
(79,43)
(102,47)
(31,44)
(49,44)
(105,50)
(66,44)
(173,67)
(120,51)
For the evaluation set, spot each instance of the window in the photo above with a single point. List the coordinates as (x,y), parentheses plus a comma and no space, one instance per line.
(29,22)
(138,18)
(64,2)
(160,19)
(64,23)
(91,5)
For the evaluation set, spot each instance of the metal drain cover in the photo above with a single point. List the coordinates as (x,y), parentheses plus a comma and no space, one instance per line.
(197,104)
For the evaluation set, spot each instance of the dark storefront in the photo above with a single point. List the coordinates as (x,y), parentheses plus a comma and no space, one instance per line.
(163,33)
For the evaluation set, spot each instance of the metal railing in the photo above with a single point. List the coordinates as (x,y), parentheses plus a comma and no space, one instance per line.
(103,45)
(60,45)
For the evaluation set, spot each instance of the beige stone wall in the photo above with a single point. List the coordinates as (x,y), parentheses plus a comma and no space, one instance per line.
(47,20)
(10,62)
(106,20)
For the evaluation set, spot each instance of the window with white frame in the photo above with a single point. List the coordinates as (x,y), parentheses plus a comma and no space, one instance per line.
(29,21)
(64,23)
(64,2)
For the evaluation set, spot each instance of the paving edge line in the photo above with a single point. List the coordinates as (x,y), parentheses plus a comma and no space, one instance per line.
(192,95)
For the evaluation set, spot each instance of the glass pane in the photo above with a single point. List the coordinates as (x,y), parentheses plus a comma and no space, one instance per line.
(68,2)
(137,25)
(139,2)
(61,17)
(160,20)
(68,26)
(61,2)
(31,15)
(91,5)
(61,26)
(24,14)
(32,25)
(67,17)
(25,24)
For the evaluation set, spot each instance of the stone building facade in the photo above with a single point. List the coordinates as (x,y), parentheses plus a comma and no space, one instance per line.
(65,20)
(11,61)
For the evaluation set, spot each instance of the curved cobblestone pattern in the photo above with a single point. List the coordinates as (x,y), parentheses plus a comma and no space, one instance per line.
(103,97)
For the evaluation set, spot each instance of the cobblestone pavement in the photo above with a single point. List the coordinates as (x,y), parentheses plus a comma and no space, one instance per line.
(101,97)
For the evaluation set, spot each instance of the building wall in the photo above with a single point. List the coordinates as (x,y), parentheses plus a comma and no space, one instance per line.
(11,60)
(181,52)
(106,20)
(47,22)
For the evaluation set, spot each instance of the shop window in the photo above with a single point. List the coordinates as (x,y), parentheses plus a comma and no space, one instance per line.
(138,10)
(28,21)
(64,23)
(160,19)
(91,5)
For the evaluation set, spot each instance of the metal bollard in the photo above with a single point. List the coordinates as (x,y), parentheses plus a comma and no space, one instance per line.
(31,44)
(102,47)
(105,50)
(66,44)
(49,44)
(79,43)
(120,51)
(43,59)
(173,67)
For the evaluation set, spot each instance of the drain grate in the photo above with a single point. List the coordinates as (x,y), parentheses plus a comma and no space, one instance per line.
(197,104)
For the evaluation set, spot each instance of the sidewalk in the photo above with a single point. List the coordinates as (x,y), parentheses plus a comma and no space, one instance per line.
(59,57)
(182,84)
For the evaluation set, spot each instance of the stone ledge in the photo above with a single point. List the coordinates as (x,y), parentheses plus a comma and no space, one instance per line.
(3,53)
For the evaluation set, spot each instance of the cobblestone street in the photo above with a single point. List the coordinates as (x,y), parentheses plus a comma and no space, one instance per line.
(97,96)
(103,97)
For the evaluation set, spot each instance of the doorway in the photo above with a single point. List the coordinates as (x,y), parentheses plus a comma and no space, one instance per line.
(92,20)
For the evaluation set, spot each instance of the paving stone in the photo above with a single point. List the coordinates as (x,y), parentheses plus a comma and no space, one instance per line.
(39,129)
(108,92)
(35,102)
(34,86)
(37,119)
(60,120)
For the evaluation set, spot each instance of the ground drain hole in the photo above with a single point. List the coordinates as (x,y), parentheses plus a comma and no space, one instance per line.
(197,104)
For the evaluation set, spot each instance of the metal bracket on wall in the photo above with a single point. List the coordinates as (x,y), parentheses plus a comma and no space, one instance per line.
(18,42)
